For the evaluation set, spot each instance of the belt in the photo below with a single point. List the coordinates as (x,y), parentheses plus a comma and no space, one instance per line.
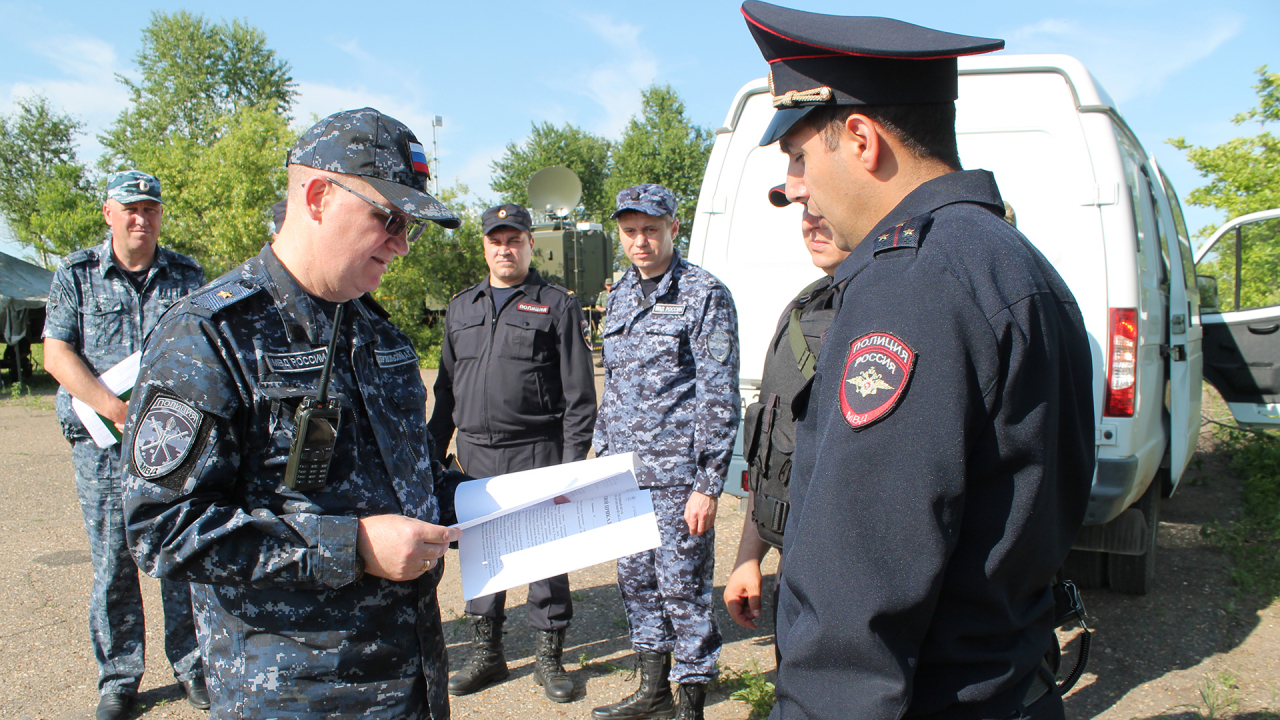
(1041,684)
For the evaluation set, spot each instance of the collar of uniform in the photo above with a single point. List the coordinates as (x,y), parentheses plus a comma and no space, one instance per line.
(962,186)
(675,269)
(531,286)
(106,258)
(292,302)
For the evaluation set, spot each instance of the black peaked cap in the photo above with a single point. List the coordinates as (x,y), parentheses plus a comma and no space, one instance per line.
(816,59)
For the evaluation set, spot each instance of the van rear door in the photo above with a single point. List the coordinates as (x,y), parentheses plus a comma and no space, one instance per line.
(1186,354)
(1240,312)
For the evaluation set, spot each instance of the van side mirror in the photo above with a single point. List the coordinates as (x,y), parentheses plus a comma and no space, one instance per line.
(1208,286)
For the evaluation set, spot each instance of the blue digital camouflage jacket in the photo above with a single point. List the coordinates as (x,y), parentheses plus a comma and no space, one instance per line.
(292,627)
(671,378)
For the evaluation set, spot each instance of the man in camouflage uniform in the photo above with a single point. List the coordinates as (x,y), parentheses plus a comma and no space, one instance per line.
(312,600)
(103,303)
(671,396)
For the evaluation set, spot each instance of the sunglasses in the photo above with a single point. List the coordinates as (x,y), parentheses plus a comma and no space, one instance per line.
(396,221)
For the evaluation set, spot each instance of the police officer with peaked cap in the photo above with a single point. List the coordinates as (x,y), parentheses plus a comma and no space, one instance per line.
(945,449)
(314,587)
(516,382)
(103,303)
(670,396)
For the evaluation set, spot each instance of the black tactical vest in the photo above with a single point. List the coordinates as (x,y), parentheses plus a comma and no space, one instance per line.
(769,428)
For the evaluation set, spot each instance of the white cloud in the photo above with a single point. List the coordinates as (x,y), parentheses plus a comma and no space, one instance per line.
(616,85)
(1130,62)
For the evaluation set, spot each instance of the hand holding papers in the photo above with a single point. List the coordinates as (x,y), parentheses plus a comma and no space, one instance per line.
(119,380)
(527,526)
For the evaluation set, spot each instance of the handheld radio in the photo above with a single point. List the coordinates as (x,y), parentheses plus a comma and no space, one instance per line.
(315,429)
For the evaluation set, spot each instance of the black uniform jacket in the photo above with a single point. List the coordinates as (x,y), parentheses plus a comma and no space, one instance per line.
(942,469)
(520,376)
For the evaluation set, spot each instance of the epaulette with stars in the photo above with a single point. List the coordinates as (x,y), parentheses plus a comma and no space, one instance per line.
(906,234)
(225,293)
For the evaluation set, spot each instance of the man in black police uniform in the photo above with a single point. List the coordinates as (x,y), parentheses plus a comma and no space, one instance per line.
(769,428)
(516,381)
(944,454)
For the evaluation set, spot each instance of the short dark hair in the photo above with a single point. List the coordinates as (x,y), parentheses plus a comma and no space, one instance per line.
(927,130)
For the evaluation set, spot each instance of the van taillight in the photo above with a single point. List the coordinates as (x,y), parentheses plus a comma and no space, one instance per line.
(746,486)
(1122,370)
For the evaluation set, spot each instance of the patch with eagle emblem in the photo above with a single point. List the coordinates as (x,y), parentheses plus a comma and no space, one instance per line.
(875,375)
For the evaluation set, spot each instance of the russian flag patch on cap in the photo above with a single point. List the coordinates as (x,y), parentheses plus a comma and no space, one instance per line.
(419,159)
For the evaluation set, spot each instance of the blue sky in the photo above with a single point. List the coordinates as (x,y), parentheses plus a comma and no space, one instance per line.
(490,69)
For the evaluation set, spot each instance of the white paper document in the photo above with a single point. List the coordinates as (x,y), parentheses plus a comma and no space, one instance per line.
(119,379)
(527,526)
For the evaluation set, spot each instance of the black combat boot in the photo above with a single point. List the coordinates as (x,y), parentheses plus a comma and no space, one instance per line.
(548,671)
(651,700)
(692,700)
(487,663)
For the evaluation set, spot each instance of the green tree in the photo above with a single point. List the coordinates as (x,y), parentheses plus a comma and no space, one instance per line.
(661,145)
(209,117)
(47,197)
(194,74)
(1244,177)
(580,151)
(440,264)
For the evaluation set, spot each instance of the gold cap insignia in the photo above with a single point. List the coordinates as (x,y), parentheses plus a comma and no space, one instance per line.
(502,214)
(792,98)
(143,185)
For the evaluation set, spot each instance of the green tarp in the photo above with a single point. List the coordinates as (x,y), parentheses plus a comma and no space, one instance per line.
(23,286)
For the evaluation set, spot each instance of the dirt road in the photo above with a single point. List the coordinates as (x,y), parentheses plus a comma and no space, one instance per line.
(1150,653)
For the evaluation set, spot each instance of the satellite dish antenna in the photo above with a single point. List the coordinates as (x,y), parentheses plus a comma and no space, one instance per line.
(555,190)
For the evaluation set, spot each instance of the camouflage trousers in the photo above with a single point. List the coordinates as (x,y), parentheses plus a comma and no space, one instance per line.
(116,626)
(668,592)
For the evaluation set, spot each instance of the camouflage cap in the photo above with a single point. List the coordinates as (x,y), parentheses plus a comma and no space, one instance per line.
(131,186)
(649,199)
(379,149)
(509,214)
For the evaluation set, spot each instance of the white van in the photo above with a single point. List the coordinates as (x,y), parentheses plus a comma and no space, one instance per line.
(1090,198)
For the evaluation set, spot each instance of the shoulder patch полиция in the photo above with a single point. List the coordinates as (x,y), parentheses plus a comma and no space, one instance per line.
(876,374)
(166,433)
(719,345)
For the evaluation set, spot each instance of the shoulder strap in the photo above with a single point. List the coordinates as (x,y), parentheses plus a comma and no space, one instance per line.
(806,361)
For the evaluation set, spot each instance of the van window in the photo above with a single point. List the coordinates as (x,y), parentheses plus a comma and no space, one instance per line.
(1150,249)
(1154,211)
(1246,263)
(1184,238)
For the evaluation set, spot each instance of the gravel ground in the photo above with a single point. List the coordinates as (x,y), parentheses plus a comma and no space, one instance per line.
(1151,654)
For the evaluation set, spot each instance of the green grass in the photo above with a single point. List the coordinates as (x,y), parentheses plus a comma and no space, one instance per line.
(1219,700)
(1253,541)
(748,686)
(587,662)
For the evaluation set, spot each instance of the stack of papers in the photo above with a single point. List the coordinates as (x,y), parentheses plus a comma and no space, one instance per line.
(527,526)
(119,380)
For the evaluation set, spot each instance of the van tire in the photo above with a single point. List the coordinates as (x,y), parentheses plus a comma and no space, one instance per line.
(1086,568)
(1134,574)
